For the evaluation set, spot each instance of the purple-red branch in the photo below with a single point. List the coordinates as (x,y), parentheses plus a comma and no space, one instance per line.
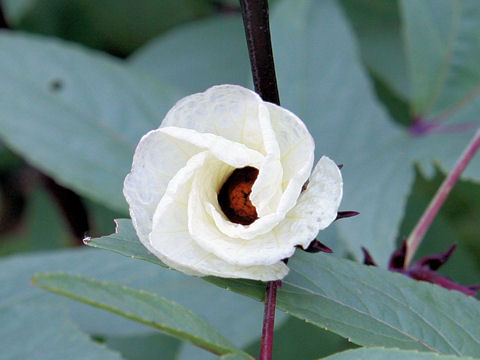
(425,221)
(269,320)
(257,33)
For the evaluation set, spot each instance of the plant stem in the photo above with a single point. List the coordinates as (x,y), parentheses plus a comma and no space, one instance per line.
(417,234)
(257,32)
(269,320)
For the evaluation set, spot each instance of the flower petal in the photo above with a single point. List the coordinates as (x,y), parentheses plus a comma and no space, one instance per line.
(230,152)
(171,238)
(151,171)
(266,249)
(295,143)
(229,111)
(317,206)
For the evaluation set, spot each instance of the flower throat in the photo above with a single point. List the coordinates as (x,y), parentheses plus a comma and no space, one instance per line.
(234,196)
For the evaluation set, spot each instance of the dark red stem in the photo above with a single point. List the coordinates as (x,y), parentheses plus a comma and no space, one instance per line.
(269,320)
(257,32)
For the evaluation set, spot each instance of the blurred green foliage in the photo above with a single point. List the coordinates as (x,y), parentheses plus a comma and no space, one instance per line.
(190,35)
(115,26)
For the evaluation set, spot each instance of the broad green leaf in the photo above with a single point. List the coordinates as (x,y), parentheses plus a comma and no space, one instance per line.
(321,80)
(150,346)
(45,332)
(199,55)
(118,26)
(378,30)
(374,307)
(124,242)
(391,354)
(370,306)
(74,113)
(140,306)
(443,49)
(190,292)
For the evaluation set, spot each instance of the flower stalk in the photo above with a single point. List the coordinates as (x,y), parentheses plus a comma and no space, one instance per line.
(417,234)
(257,33)
(269,320)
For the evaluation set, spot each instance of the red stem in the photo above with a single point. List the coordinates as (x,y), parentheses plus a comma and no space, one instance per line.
(417,234)
(269,320)
(257,33)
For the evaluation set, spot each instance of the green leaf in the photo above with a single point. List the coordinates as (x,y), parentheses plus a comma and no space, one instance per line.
(375,307)
(391,354)
(199,55)
(45,333)
(140,306)
(149,346)
(321,80)
(443,48)
(370,306)
(118,26)
(125,242)
(50,90)
(378,29)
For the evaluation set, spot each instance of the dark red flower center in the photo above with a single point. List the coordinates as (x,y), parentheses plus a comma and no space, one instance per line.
(234,196)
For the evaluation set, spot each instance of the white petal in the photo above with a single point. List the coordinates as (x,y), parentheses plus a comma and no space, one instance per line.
(264,249)
(230,111)
(150,174)
(267,188)
(170,236)
(230,152)
(297,154)
(246,232)
(316,208)
(318,205)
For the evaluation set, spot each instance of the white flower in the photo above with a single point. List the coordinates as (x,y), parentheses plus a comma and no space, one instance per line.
(192,213)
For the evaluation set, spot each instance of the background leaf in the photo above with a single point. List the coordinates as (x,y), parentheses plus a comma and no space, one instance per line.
(382,51)
(375,307)
(149,346)
(118,26)
(50,90)
(392,354)
(321,80)
(140,306)
(213,304)
(43,332)
(370,306)
(194,57)
(443,49)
